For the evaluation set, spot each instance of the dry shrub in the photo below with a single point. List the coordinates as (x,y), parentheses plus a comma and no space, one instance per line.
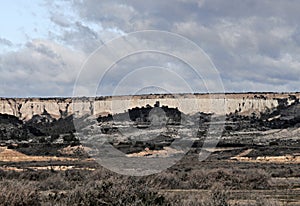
(192,201)
(206,178)
(54,182)
(198,179)
(62,188)
(257,179)
(165,180)
(18,193)
(101,173)
(101,187)
(75,175)
(106,192)
(266,202)
(235,179)
(218,195)
(39,175)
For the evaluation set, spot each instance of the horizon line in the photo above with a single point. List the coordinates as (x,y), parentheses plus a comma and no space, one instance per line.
(149,94)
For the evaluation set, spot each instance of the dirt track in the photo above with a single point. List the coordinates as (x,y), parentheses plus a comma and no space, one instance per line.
(9,155)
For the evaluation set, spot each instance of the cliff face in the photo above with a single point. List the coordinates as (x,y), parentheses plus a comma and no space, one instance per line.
(25,108)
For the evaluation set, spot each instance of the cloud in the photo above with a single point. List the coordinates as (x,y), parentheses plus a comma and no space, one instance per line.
(80,37)
(41,68)
(135,15)
(251,49)
(254,44)
(6,42)
(60,20)
(233,33)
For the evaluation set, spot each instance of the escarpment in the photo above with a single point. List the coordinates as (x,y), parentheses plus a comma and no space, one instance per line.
(244,104)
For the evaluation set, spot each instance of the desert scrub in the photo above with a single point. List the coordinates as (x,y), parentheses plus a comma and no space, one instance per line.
(233,178)
(107,192)
(14,193)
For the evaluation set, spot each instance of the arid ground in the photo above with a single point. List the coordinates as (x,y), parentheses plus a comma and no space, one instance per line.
(44,161)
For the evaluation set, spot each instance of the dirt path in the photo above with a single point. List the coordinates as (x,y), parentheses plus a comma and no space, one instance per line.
(289,159)
(242,154)
(9,155)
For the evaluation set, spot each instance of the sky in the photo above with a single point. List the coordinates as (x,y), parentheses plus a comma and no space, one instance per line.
(46,46)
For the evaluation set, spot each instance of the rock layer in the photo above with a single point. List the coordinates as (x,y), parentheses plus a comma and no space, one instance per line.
(247,103)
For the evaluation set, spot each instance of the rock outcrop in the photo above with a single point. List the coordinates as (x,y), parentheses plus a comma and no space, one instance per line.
(244,104)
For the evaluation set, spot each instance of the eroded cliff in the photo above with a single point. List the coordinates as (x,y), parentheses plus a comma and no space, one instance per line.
(26,108)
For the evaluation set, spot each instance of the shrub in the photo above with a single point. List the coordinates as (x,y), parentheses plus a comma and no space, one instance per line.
(54,182)
(18,193)
(218,195)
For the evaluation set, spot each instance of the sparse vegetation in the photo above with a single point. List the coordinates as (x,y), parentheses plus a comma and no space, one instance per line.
(217,181)
(75,188)
(102,187)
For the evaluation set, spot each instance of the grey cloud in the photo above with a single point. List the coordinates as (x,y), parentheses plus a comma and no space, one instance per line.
(43,49)
(60,20)
(81,37)
(233,32)
(109,13)
(5,42)
(34,71)
(233,44)
(86,31)
(136,15)
(285,9)
(255,44)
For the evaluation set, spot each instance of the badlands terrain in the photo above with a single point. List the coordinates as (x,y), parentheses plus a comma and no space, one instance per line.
(187,149)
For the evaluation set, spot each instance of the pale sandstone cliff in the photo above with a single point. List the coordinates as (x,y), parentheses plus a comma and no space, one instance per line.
(25,108)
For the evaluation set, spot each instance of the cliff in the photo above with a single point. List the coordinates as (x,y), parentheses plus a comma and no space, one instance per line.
(244,104)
